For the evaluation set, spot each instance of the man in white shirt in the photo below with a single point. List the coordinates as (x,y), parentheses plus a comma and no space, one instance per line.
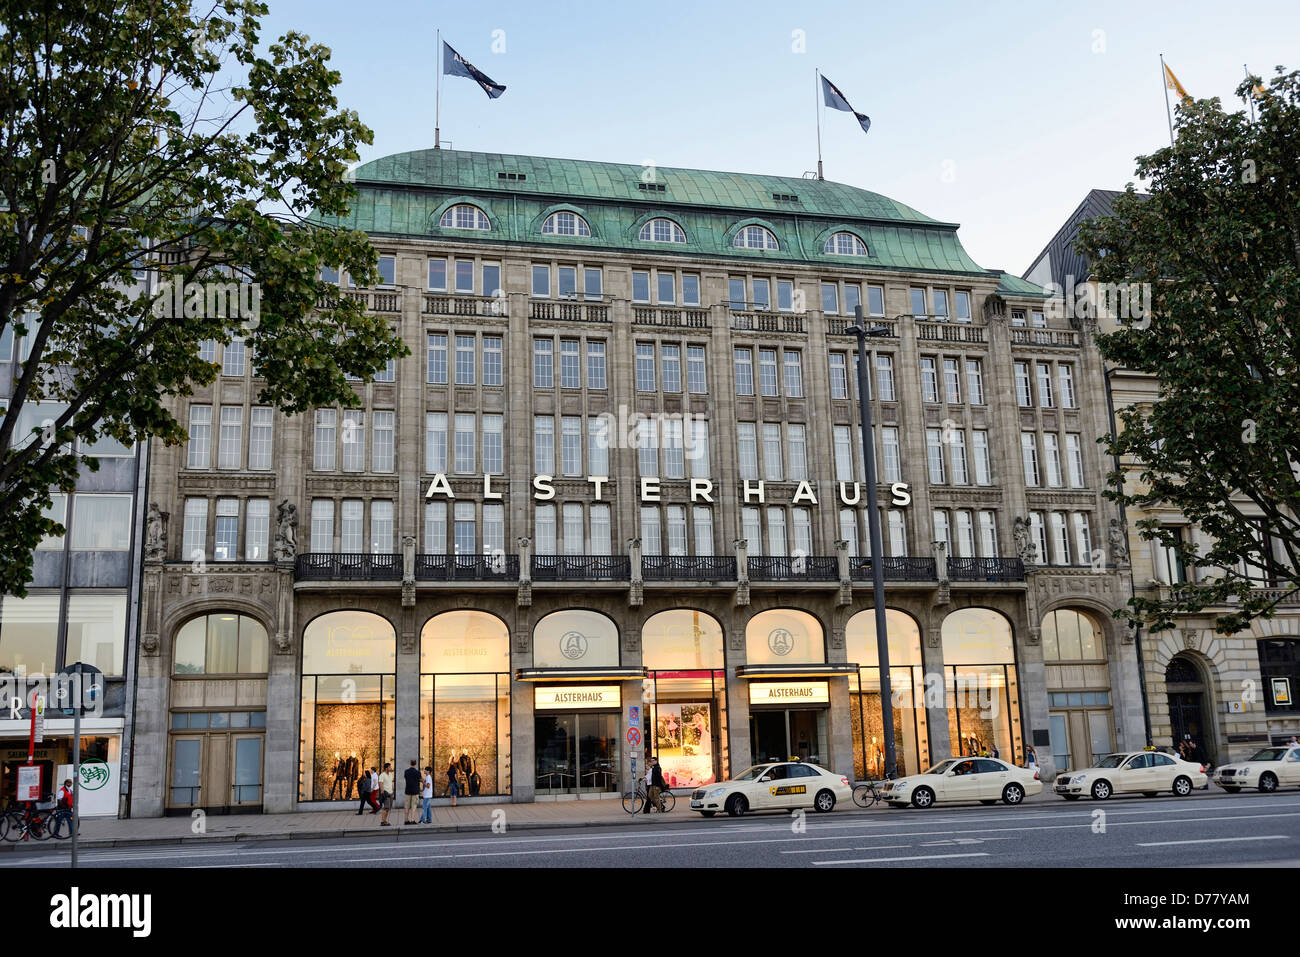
(426,795)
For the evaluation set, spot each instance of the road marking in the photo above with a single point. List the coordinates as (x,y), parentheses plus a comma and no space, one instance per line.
(887,860)
(1218,840)
(836,850)
(969,840)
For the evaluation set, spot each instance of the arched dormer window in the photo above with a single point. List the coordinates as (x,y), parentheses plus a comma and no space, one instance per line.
(662,231)
(566,224)
(464,216)
(755,237)
(844,244)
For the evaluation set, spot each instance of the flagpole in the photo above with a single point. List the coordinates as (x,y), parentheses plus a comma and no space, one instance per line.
(1164,83)
(1250,93)
(817,99)
(437,97)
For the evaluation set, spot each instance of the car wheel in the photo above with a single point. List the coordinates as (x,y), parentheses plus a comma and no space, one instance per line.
(1182,785)
(922,797)
(989,802)
(1013,794)
(737,805)
(1267,783)
(708,813)
(824,801)
(1232,790)
(1101,790)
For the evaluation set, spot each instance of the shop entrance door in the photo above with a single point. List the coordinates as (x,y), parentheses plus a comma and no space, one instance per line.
(217,772)
(783,735)
(577,751)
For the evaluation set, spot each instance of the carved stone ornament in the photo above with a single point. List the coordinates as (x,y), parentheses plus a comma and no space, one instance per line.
(155,534)
(283,643)
(286,531)
(1118,544)
(149,644)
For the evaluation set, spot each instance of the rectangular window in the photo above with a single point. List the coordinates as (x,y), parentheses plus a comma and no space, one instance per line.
(437,359)
(568,282)
(785,295)
(543,364)
(1029,457)
(843,453)
(941,530)
(983,471)
(257,530)
(438,275)
(493,444)
(435,528)
(491,273)
(1039,321)
(676,515)
(494,530)
(793,373)
(464,535)
(601,537)
(852,298)
(593,283)
(387,270)
(259,438)
(744,372)
(351,529)
(767,384)
(776,530)
(934,455)
(544,445)
(435,442)
(964,540)
(876,301)
(702,518)
(751,530)
(674,453)
(570,365)
(885,377)
(897,533)
(666,288)
(918,303)
(671,357)
(748,449)
(929,381)
(597,446)
(650,540)
(772,464)
(544,528)
(322,525)
(951,382)
(231,440)
(1024,396)
(1044,385)
(575,538)
(195,533)
(463,442)
(794,436)
(698,454)
(595,364)
(381,447)
(762,295)
(690,290)
(323,445)
(465,360)
(736,294)
(388,373)
(893,471)
(849,530)
(381,527)
(1038,532)
(645,367)
(974,382)
(963,306)
(830,298)
(957,447)
(1074,459)
(102,522)
(571,445)
(232,358)
(801,526)
(697,381)
(839,376)
(988,535)
(1065,377)
(1082,538)
(640,287)
(199,450)
(1017,317)
(1060,540)
(940,305)
(541,282)
(493,370)
(1052,458)
(647,448)
(354,441)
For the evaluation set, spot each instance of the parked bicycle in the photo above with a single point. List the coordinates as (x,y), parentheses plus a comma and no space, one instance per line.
(866,794)
(635,802)
(34,821)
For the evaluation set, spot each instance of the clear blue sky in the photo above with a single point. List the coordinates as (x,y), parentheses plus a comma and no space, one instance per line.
(996,115)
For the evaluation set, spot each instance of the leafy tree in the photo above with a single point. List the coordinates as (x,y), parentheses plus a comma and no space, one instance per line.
(153,136)
(1218,240)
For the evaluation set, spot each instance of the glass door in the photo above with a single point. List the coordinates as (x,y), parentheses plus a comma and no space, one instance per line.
(598,752)
(1060,743)
(556,737)
(187,776)
(246,774)
(767,732)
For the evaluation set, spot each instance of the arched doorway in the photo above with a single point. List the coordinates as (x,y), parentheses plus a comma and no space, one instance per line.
(1185,688)
(1081,719)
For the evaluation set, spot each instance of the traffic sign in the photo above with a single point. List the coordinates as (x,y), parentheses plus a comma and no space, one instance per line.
(633,714)
(634,736)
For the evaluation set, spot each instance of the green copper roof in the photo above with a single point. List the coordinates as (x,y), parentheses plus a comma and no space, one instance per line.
(404,195)
(1010,285)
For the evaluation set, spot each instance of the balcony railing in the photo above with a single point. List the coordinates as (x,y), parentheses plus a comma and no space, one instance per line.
(348,566)
(901,568)
(839,327)
(986,570)
(684,318)
(1044,337)
(377,300)
(766,322)
(445,568)
(446,304)
(947,332)
(779,568)
(689,568)
(581,568)
(569,311)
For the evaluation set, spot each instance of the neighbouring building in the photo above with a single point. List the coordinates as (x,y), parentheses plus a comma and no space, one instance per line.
(622,467)
(1232,693)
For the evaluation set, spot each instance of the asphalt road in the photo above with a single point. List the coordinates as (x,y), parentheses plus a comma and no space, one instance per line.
(1208,830)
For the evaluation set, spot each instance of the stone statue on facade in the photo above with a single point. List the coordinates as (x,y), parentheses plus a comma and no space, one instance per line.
(155,534)
(1118,544)
(1025,546)
(286,531)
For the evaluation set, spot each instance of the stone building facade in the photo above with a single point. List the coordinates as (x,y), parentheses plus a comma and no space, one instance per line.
(622,469)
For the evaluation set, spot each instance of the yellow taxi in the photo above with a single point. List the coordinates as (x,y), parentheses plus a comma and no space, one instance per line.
(1146,772)
(987,780)
(1268,769)
(783,785)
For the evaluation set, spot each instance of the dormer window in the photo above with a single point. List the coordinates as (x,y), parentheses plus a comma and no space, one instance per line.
(845,244)
(465,216)
(662,231)
(566,224)
(755,237)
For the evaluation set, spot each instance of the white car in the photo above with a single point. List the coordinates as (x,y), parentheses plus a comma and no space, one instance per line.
(1143,772)
(769,787)
(987,780)
(1268,769)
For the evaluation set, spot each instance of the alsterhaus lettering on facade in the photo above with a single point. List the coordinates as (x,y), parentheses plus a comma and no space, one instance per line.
(462,570)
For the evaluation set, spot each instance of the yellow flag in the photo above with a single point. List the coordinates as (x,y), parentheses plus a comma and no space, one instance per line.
(1171,83)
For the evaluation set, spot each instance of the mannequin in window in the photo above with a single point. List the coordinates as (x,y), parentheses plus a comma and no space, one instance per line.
(466,769)
(340,772)
(354,769)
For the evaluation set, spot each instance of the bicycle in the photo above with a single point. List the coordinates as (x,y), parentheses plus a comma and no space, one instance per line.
(865,794)
(634,802)
(32,822)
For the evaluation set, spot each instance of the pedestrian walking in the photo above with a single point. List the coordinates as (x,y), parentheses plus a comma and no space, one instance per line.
(1031,758)
(654,785)
(453,779)
(386,794)
(426,795)
(374,790)
(995,752)
(412,790)
(1293,741)
(363,789)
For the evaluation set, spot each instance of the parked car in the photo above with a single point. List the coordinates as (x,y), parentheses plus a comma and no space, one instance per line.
(1145,772)
(987,780)
(1267,769)
(783,785)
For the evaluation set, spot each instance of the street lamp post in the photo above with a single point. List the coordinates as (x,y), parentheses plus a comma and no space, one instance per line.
(860,330)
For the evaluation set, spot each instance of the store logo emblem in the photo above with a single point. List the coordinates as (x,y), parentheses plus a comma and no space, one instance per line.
(573,645)
(94,774)
(781,642)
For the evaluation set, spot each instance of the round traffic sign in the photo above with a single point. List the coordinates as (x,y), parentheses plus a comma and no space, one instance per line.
(634,736)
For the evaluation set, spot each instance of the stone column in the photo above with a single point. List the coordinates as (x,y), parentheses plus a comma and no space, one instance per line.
(283,699)
(523,759)
(151,702)
(840,732)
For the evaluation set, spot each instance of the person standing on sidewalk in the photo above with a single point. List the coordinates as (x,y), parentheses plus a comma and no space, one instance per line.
(426,795)
(453,779)
(386,794)
(412,788)
(374,790)
(363,789)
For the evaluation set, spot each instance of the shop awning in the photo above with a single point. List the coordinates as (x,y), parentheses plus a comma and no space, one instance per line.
(796,671)
(579,674)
